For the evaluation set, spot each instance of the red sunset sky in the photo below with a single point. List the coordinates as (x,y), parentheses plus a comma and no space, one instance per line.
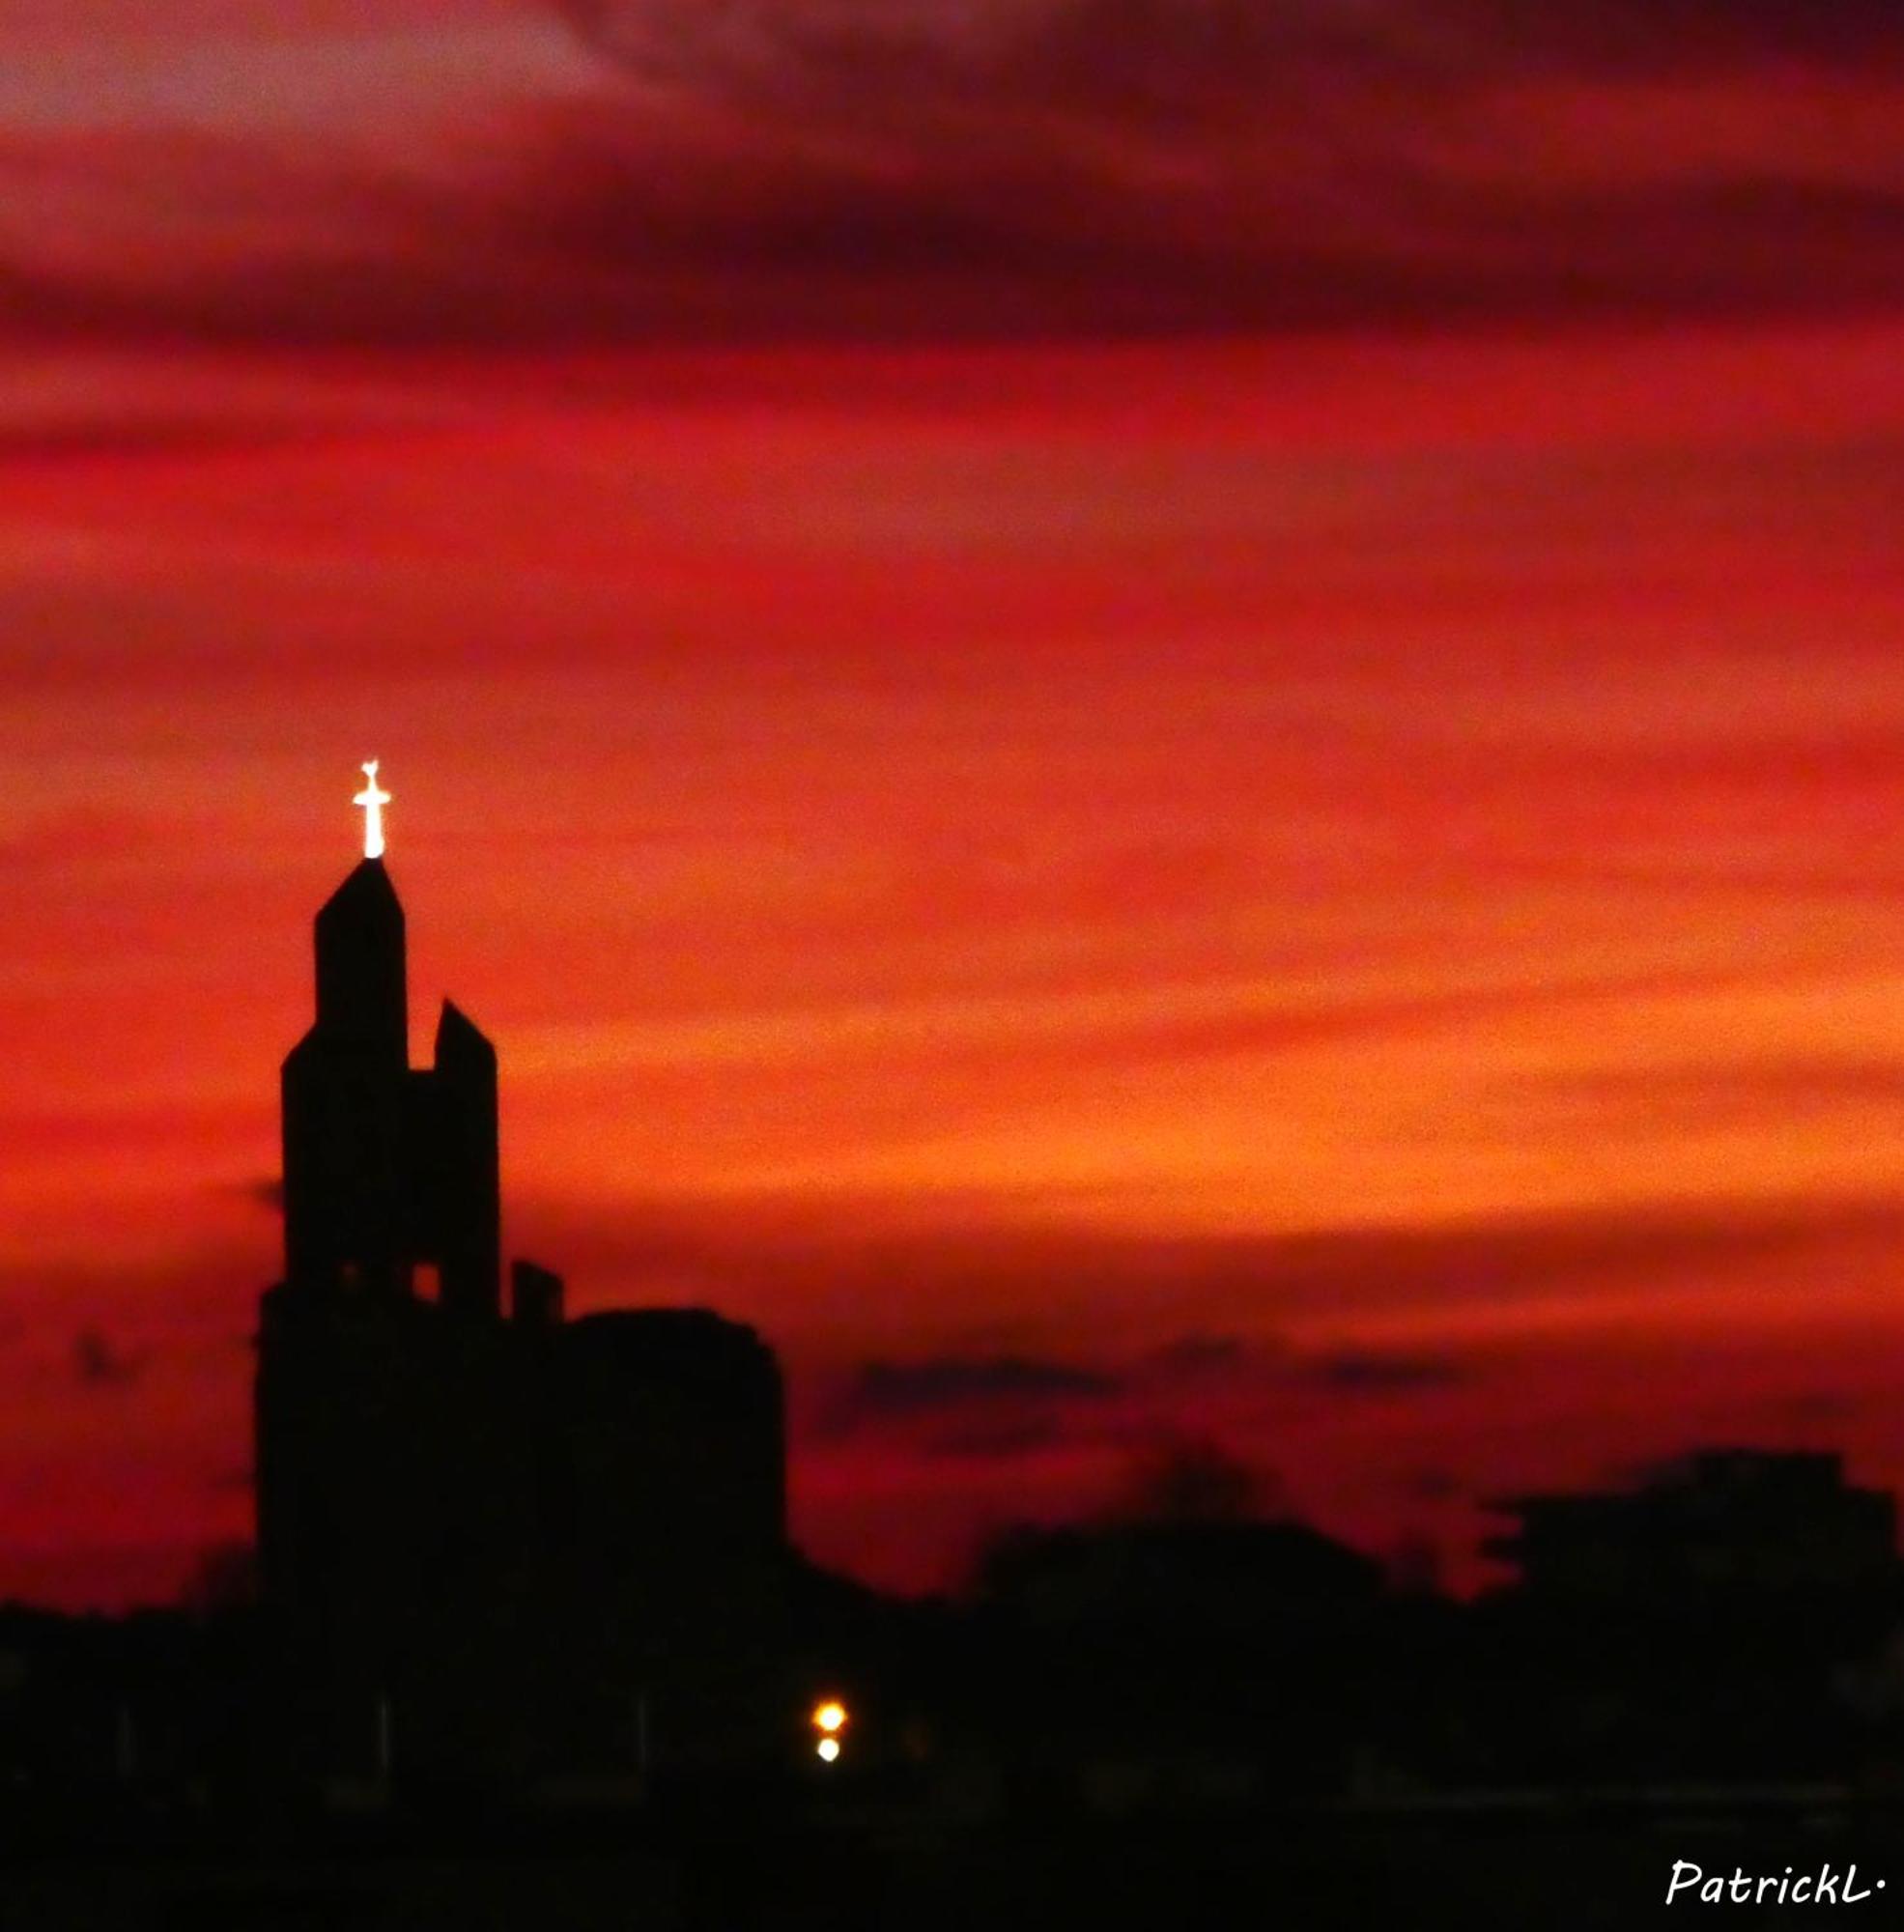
(1146,718)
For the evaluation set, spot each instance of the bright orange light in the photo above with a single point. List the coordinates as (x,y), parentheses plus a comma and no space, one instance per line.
(828,1749)
(373,798)
(829,1716)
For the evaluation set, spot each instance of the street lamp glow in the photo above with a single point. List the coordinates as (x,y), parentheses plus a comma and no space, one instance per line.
(373,798)
(829,1716)
(828,1749)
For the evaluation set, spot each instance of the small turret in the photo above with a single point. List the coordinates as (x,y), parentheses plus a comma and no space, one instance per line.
(466,1179)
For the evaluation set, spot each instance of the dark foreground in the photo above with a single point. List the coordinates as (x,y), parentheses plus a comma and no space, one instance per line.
(1496,1862)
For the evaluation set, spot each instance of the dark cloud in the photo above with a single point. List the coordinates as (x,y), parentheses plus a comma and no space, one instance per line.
(1013,1404)
(1666,35)
(1179,64)
(100,1363)
(1131,53)
(1002,1441)
(1178,1478)
(1169,163)
(886,1389)
(1018,239)
(1267,1363)
(761,169)
(1372,1372)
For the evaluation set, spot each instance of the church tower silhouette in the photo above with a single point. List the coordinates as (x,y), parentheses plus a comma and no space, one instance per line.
(388,1167)
(463,1511)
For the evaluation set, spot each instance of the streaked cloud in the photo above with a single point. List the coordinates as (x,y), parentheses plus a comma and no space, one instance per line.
(1022,169)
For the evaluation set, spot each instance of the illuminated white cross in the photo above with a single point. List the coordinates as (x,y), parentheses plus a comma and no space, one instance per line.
(373,798)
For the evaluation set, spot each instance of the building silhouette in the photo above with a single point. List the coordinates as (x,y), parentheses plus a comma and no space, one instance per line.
(490,1538)
(1714,1523)
(1709,1620)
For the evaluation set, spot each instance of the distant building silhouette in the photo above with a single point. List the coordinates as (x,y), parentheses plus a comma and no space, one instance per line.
(1170,1659)
(1190,1579)
(1703,1623)
(1717,1522)
(487,1536)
